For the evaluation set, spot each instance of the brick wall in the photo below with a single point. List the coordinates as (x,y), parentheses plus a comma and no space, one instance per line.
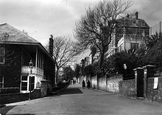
(16,97)
(12,68)
(127,88)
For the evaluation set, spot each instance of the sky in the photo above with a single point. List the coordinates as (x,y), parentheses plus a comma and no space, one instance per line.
(41,18)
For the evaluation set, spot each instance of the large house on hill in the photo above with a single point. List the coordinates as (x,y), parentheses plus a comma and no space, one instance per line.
(24,63)
(129,35)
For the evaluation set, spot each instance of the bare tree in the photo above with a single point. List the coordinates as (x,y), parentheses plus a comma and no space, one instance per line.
(97,26)
(63,52)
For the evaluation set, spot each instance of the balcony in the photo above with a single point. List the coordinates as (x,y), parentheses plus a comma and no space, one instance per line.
(38,71)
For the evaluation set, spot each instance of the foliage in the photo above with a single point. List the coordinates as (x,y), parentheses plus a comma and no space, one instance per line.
(154,54)
(89,70)
(77,70)
(151,40)
(97,26)
(68,73)
(63,52)
(115,63)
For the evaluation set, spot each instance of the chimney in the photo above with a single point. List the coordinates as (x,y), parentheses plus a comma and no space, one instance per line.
(51,45)
(136,14)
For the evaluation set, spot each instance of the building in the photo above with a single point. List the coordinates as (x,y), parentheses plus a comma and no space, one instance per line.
(157,28)
(128,35)
(24,63)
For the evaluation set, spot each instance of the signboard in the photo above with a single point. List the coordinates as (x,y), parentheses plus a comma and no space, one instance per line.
(155,83)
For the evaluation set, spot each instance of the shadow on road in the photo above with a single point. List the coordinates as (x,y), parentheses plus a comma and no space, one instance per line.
(4,110)
(70,91)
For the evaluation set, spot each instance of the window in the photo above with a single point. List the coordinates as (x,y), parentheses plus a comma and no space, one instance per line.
(134,45)
(24,83)
(2,55)
(1,82)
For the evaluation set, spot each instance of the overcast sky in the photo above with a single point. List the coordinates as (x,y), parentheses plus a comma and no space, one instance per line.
(41,18)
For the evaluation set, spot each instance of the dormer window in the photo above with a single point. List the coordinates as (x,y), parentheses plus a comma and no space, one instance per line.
(2,55)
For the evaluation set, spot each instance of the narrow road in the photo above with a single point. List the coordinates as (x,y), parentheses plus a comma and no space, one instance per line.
(77,101)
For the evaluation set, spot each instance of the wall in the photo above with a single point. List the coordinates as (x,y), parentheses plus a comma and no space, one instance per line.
(16,97)
(127,88)
(113,84)
(102,83)
(154,94)
(12,73)
(46,87)
(94,82)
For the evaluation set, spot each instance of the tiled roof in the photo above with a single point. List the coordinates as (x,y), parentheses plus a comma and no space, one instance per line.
(11,34)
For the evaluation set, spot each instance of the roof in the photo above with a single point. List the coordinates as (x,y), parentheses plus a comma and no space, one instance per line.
(11,34)
(133,21)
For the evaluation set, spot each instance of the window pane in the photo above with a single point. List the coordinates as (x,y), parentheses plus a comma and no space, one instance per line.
(1,85)
(2,51)
(24,78)
(24,86)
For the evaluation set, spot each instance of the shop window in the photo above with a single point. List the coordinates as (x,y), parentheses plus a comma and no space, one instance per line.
(2,55)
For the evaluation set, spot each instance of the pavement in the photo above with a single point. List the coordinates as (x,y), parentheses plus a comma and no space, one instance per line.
(77,101)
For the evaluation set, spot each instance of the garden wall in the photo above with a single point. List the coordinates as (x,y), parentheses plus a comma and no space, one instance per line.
(113,83)
(127,88)
(94,82)
(102,83)
(154,93)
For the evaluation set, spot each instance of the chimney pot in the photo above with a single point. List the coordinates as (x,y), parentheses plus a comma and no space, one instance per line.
(136,14)
(51,45)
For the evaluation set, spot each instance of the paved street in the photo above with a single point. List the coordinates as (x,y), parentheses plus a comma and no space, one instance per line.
(78,101)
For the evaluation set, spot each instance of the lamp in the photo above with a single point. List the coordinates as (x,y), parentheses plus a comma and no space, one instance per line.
(31,67)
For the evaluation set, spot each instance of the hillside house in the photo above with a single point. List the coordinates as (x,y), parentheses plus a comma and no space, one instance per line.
(129,35)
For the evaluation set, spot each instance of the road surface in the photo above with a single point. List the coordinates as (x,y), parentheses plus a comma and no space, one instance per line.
(77,101)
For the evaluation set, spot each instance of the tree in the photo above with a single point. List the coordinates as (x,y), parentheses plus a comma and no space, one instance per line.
(93,52)
(115,63)
(77,70)
(97,26)
(154,51)
(68,73)
(63,52)
(151,40)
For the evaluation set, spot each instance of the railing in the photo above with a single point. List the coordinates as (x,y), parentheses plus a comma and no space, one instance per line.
(26,69)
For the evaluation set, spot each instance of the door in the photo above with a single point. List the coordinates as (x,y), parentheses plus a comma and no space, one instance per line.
(31,82)
(140,83)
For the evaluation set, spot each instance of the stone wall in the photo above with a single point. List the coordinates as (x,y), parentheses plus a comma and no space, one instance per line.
(46,87)
(102,83)
(154,94)
(94,82)
(127,88)
(113,84)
